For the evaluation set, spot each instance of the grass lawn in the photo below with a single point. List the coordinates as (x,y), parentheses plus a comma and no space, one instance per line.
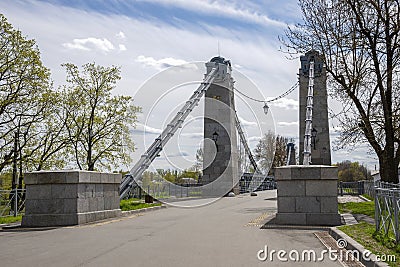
(367,208)
(10,219)
(364,233)
(133,204)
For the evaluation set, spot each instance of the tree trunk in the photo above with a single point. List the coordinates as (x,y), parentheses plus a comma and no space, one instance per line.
(388,169)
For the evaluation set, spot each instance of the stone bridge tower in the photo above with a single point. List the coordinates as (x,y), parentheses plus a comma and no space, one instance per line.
(220,155)
(320,144)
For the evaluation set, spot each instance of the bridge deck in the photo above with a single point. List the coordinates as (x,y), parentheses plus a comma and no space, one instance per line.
(226,233)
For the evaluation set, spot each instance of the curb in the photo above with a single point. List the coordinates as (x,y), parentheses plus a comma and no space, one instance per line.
(354,245)
(131,212)
(364,198)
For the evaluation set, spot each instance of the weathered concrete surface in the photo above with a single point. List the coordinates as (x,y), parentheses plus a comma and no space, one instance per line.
(213,235)
(307,195)
(55,198)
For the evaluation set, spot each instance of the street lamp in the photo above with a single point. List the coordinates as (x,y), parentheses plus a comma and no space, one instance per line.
(314,136)
(215,138)
(266,108)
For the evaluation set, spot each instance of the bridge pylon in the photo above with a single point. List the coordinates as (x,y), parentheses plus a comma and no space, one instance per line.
(220,151)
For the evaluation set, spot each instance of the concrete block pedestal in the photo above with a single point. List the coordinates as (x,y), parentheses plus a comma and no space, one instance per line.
(59,198)
(307,195)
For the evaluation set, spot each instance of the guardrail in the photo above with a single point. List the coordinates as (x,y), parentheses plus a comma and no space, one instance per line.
(12,202)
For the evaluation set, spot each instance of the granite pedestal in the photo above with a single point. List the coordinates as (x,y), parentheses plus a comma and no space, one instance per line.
(307,195)
(58,198)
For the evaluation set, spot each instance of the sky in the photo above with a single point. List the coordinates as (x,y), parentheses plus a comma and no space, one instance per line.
(145,37)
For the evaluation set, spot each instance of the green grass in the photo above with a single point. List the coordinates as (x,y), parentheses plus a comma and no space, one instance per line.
(367,208)
(10,219)
(364,233)
(132,204)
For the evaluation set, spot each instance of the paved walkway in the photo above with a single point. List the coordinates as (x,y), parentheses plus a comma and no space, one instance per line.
(226,233)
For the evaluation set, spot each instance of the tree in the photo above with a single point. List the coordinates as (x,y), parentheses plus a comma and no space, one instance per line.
(98,122)
(270,151)
(23,81)
(198,165)
(352,171)
(359,42)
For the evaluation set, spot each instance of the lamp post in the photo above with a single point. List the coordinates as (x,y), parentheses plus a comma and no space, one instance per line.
(215,138)
(314,136)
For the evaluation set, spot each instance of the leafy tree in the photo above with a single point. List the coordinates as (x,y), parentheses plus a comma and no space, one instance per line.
(270,151)
(98,122)
(359,41)
(24,80)
(352,171)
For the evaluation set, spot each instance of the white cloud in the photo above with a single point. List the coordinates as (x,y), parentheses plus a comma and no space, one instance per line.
(141,128)
(90,43)
(230,9)
(161,63)
(121,35)
(245,123)
(122,47)
(284,123)
(286,103)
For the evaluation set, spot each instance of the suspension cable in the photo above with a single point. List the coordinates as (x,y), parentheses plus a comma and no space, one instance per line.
(291,89)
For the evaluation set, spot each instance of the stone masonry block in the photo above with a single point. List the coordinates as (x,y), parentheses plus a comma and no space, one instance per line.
(329,173)
(57,198)
(48,177)
(329,205)
(308,204)
(70,206)
(31,178)
(84,177)
(82,205)
(283,173)
(329,219)
(95,177)
(286,204)
(92,204)
(291,188)
(291,218)
(321,188)
(306,172)
(39,192)
(99,190)
(64,191)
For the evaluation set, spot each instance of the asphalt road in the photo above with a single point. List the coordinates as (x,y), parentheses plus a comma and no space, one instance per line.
(225,233)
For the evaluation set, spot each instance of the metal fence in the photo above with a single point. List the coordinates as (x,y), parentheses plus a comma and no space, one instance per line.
(351,188)
(387,206)
(12,202)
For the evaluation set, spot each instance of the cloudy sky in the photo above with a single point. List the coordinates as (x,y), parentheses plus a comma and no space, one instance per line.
(146,36)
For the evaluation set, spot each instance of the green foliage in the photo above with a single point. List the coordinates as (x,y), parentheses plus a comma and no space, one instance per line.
(24,91)
(352,171)
(98,122)
(365,234)
(133,204)
(367,208)
(10,219)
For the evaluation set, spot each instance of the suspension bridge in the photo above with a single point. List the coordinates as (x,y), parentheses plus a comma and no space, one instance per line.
(224,170)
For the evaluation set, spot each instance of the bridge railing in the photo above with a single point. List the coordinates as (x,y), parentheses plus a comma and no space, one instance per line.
(12,202)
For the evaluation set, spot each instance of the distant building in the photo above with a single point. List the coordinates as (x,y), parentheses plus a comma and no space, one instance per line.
(377,176)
